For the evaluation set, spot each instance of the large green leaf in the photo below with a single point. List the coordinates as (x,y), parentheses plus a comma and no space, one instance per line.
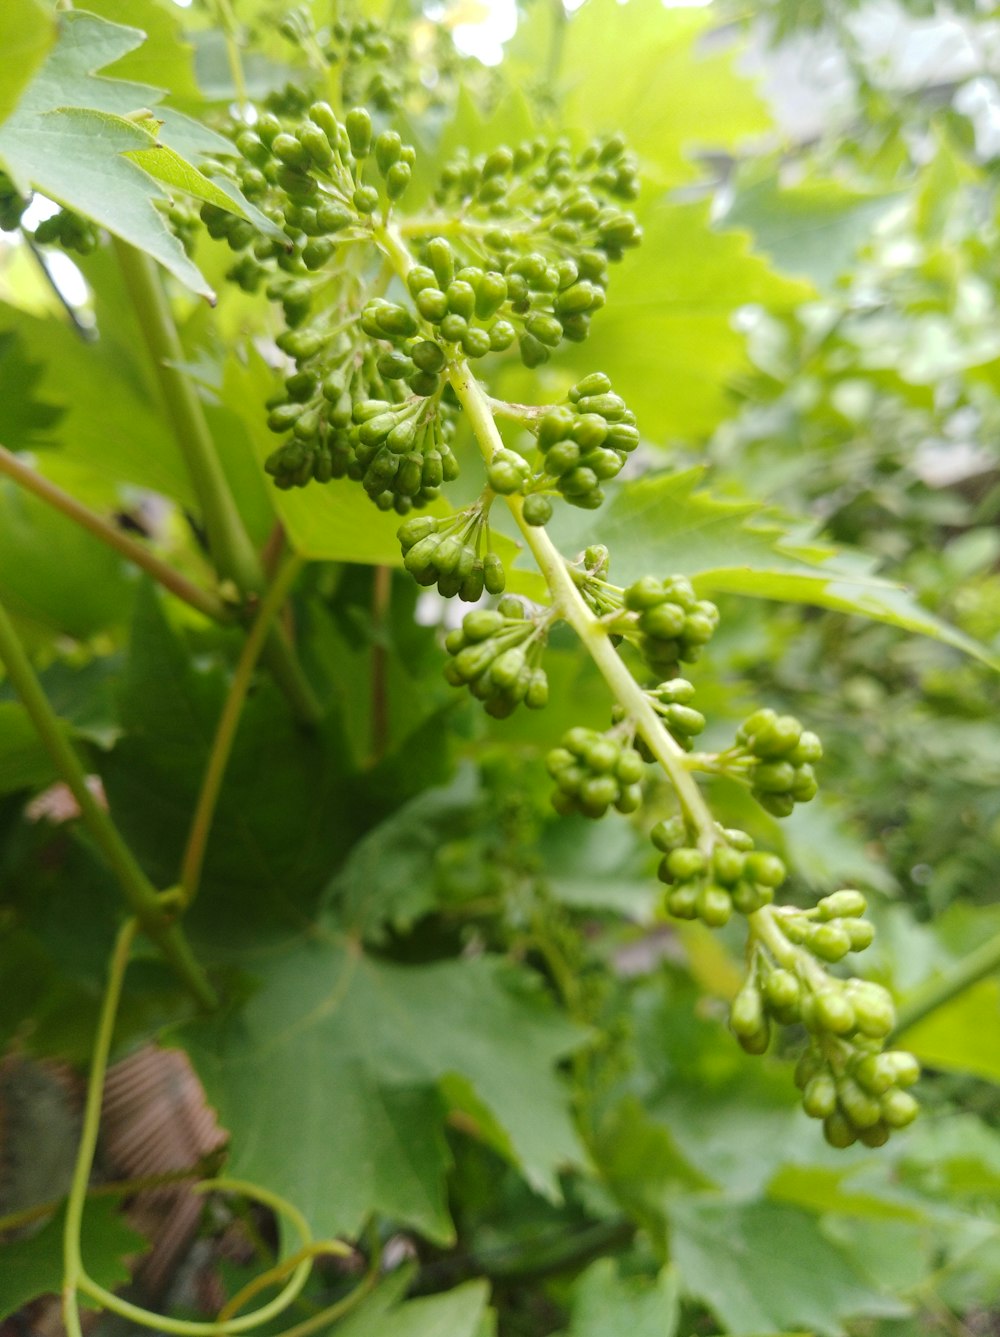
(328,1077)
(34,1266)
(38,546)
(762,1268)
(812,231)
(607,1305)
(460,1312)
(72,134)
(273,844)
(663,523)
(24,762)
(638,67)
(667,336)
(963,1035)
(27,31)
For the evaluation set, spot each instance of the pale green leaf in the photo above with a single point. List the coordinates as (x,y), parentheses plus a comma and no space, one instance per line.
(456,1313)
(763,1267)
(666,337)
(24,762)
(663,523)
(640,68)
(34,1266)
(27,31)
(608,1305)
(962,1035)
(326,1078)
(812,231)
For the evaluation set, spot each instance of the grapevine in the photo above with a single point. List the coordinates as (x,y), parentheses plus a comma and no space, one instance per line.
(517,252)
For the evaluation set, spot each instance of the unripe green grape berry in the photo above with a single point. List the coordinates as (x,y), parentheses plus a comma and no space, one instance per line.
(491,295)
(387,150)
(873,1008)
(778,805)
(778,738)
(561,458)
(432,304)
(441,259)
(365,199)
(683,720)
(597,793)
(904,1065)
(289,151)
(860,931)
(482,623)
(767,869)
(537,510)
(782,990)
(685,864)
(861,1109)
(644,593)
(601,754)
(461,298)
(397,180)
(746,1015)
(804,785)
(715,906)
(590,431)
(830,1011)
(493,573)
(819,1096)
(876,1136)
(630,767)
(682,902)
(473,584)
(842,905)
(758,1042)
(727,865)
(316,144)
(899,1109)
(476,343)
(453,327)
(502,335)
(829,942)
(419,278)
(425,384)
(838,1131)
(358,124)
(668,834)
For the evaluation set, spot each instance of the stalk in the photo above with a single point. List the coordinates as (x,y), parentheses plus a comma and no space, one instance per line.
(154,914)
(203,600)
(228,539)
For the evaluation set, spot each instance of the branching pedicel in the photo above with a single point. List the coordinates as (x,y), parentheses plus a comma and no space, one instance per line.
(517,249)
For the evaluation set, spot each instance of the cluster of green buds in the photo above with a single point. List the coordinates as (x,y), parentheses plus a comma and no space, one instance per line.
(595,771)
(453,553)
(775,756)
(414,359)
(671,701)
(583,443)
(664,619)
(320,182)
(12,204)
(461,304)
(711,886)
(68,230)
(497,653)
(846,1076)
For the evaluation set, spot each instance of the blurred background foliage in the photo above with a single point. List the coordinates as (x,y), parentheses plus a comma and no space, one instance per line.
(812,324)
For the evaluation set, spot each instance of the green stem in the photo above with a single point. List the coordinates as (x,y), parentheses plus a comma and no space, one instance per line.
(227,22)
(961,976)
(32,481)
(232,550)
(566,597)
(73,1272)
(225,733)
(153,914)
(591,631)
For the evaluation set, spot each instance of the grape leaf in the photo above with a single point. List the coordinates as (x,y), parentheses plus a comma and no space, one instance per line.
(34,1266)
(662,522)
(72,131)
(963,1035)
(27,32)
(321,1075)
(459,1312)
(637,68)
(666,337)
(606,1304)
(24,762)
(724,1251)
(812,231)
